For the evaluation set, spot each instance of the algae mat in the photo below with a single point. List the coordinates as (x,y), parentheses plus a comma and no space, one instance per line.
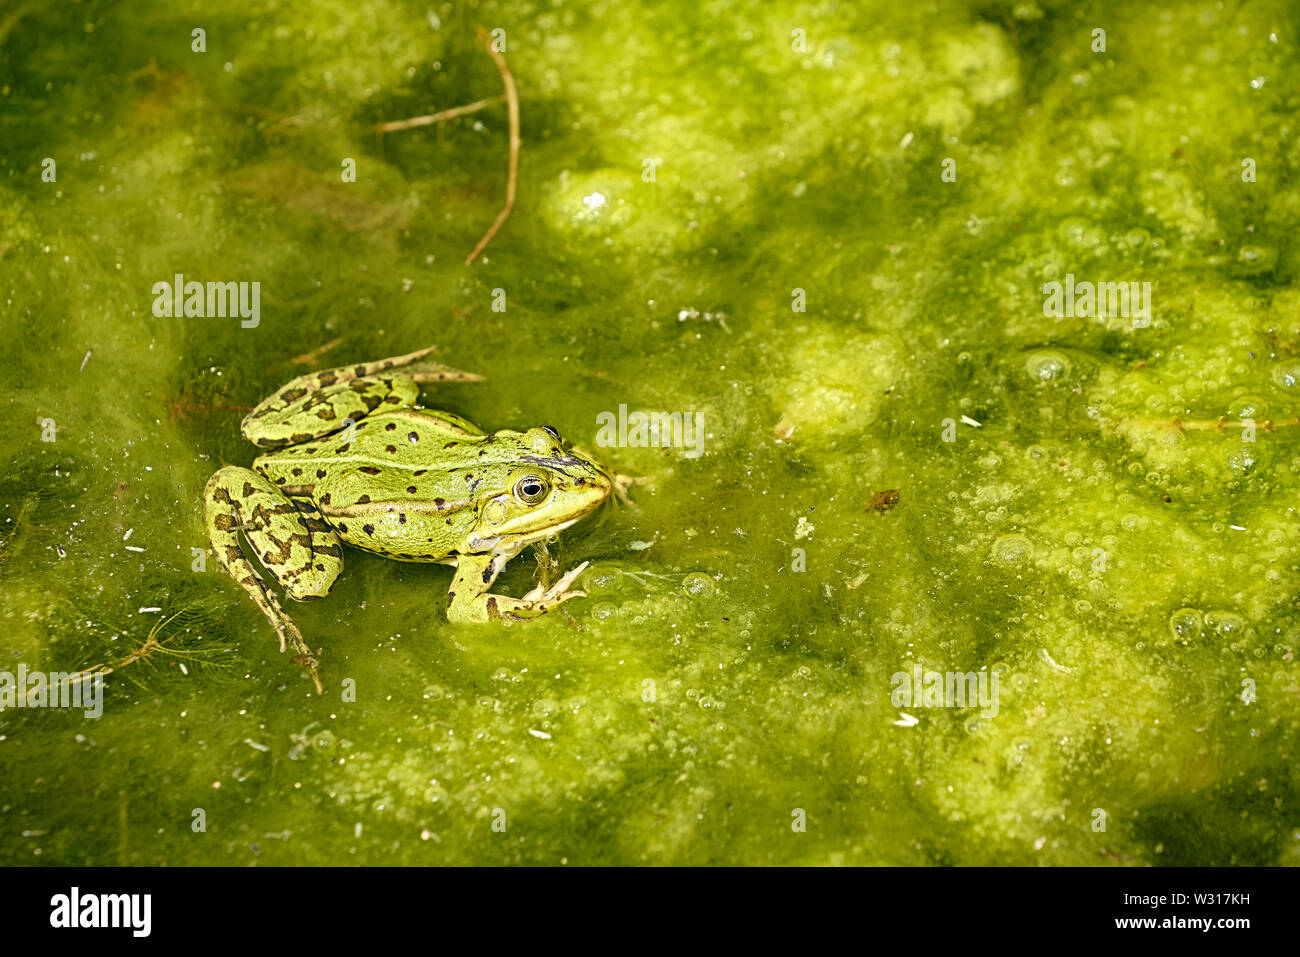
(985,314)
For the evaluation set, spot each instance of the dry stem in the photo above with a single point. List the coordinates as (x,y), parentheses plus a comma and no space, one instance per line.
(512,103)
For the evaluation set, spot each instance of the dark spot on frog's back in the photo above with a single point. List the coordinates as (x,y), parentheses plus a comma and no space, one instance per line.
(410,489)
(487,573)
(390,426)
(412,437)
(293,395)
(320,473)
(390,449)
(248,490)
(451,445)
(401,518)
(370,469)
(368,529)
(343,448)
(363,500)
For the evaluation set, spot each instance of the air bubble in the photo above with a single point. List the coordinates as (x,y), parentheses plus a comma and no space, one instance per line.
(1225,624)
(1137,238)
(698,585)
(1247,407)
(1187,624)
(1243,462)
(1047,366)
(1080,232)
(1256,259)
(1287,376)
(1011,549)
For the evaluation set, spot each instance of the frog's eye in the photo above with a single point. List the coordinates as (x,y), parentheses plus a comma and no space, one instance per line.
(531,489)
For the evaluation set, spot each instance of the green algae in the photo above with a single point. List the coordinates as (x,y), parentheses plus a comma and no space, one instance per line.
(1097,533)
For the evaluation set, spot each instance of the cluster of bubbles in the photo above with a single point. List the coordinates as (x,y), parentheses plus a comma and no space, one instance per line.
(704,700)
(1188,624)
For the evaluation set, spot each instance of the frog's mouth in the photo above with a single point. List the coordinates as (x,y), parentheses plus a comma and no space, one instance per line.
(527,538)
(510,543)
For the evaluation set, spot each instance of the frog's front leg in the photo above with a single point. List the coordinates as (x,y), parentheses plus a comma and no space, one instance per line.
(289,537)
(469,600)
(315,405)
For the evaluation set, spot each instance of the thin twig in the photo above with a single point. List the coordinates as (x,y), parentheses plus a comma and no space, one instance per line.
(439,117)
(297,119)
(309,358)
(512,102)
(1221,424)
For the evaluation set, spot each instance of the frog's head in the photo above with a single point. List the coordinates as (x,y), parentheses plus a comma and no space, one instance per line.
(540,487)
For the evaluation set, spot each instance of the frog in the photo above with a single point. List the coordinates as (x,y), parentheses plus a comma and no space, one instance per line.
(352,459)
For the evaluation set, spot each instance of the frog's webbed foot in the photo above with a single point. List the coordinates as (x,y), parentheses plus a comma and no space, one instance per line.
(286,628)
(322,403)
(469,600)
(557,593)
(293,543)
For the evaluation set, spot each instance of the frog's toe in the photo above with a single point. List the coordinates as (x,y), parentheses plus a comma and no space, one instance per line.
(559,591)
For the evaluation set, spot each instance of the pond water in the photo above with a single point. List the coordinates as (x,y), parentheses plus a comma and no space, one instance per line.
(822,230)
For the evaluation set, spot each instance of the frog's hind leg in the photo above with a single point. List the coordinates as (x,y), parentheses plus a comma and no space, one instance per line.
(318,404)
(290,538)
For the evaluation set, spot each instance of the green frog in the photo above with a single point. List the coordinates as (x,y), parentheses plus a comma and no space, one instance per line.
(354,460)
